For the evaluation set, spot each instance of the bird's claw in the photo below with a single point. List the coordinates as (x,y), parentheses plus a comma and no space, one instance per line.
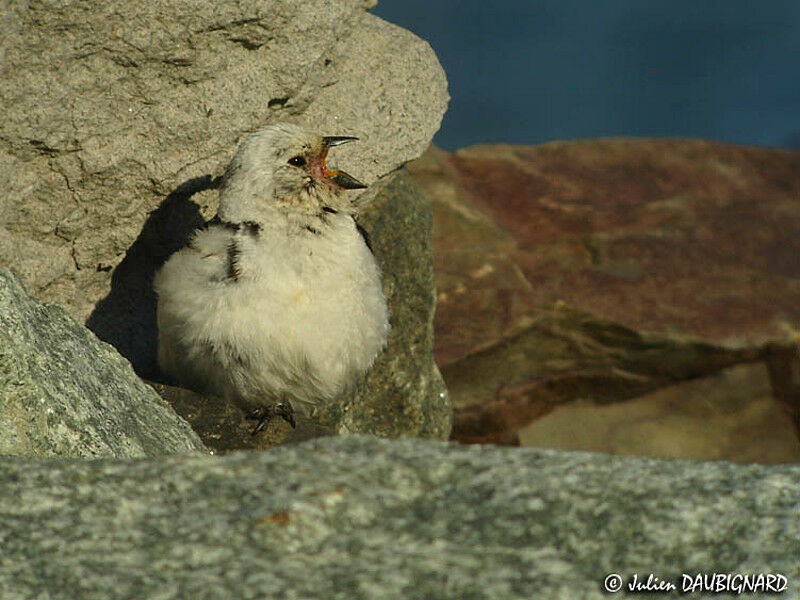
(264,414)
(286,412)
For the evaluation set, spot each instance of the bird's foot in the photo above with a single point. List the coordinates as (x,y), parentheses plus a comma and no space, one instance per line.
(264,414)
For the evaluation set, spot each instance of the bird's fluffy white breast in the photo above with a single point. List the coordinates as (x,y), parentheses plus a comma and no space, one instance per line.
(305,316)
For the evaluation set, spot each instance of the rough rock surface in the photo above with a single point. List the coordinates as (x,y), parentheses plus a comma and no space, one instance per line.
(619,265)
(109,108)
(65,393)
(730,415)
(403,394)
(357,517)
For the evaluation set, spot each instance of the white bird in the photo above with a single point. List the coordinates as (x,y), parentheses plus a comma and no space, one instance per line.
(277,304)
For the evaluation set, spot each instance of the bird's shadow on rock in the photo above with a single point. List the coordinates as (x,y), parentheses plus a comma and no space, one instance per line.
(126,317)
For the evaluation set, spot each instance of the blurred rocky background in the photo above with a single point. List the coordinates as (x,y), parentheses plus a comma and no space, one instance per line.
(621,295)
(665,272)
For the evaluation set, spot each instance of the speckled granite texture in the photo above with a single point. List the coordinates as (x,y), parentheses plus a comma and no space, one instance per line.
(357,517)
(63,392)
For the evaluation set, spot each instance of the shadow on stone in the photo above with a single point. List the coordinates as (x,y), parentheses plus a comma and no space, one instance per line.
(126,317)
(223,427)
(783,365)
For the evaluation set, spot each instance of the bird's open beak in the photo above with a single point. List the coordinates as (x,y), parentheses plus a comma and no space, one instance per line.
(329,141)
(338,179)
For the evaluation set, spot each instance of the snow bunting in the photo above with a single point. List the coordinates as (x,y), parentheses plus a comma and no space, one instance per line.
(277,303)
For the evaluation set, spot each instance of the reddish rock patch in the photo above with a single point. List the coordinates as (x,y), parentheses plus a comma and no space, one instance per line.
(690,242)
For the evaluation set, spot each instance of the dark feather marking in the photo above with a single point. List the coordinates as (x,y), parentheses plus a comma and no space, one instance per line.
(323,214)
(312,230)
(249,227)
(227,349)
(233,257)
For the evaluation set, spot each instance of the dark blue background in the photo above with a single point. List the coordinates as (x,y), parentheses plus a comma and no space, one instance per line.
(527,71)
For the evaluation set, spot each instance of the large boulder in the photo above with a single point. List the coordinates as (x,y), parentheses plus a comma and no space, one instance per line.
(606,269)
(358,517)
(63,392)
(109,109)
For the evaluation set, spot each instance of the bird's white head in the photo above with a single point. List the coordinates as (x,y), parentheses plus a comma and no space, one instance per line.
(282,168)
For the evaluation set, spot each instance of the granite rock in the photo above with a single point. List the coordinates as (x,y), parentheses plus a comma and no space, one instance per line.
(404,393)
(358,517)
(108,109)
(65,393)
(669,249)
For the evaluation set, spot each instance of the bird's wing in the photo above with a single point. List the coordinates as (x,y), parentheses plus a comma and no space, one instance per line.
(204,259)
(212,250)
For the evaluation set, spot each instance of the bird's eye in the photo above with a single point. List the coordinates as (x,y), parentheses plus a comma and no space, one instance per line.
(297,161)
